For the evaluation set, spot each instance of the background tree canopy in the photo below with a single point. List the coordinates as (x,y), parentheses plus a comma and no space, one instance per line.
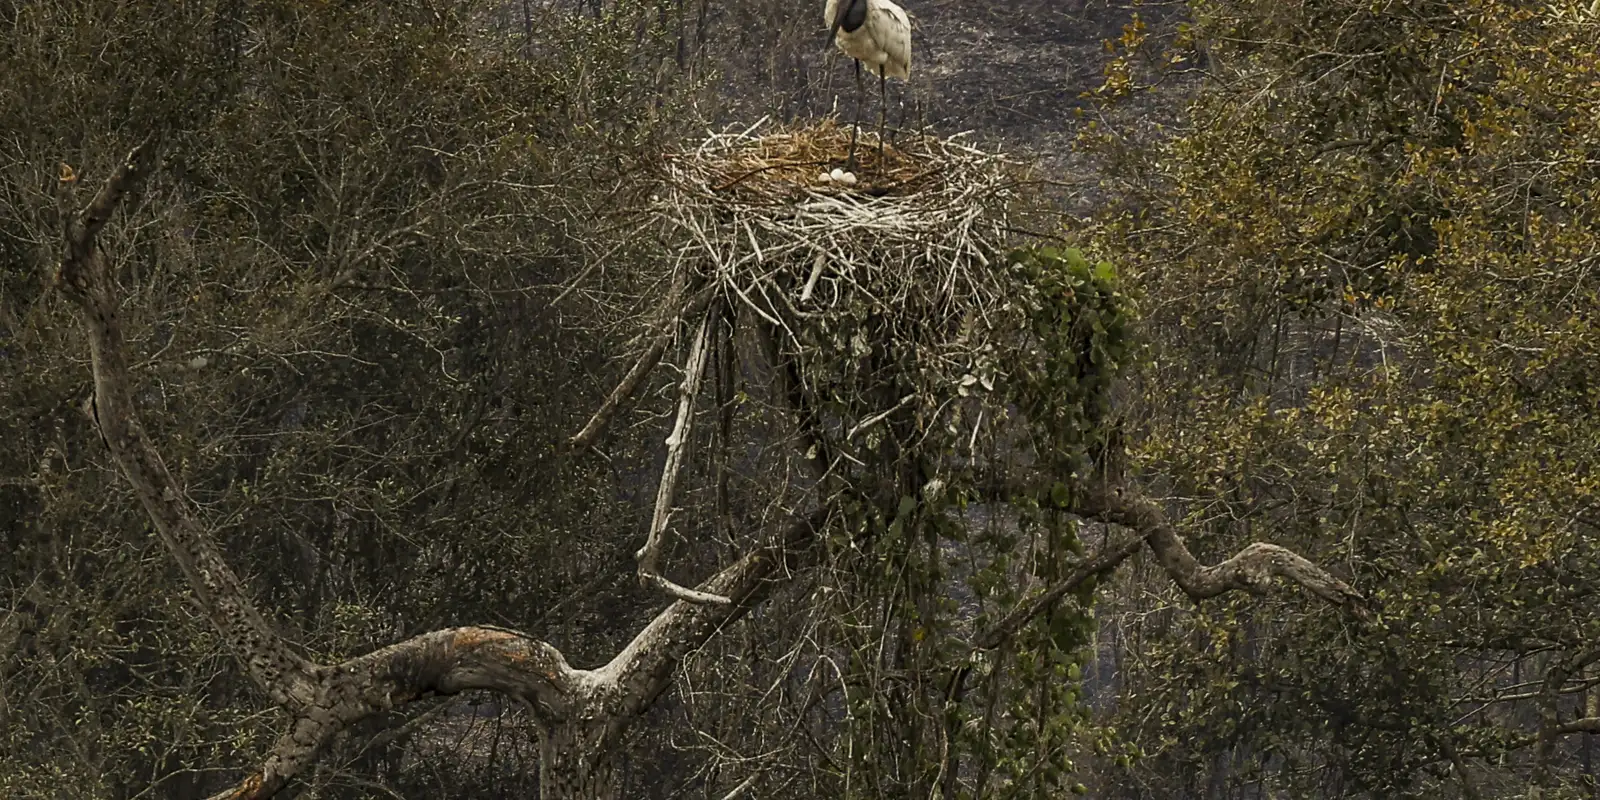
(1330,290)
(1366,250)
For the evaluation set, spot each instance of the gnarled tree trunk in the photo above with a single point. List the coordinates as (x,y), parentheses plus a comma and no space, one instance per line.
(577,762)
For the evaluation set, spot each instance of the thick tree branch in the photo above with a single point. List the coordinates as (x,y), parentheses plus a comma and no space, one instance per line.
(437,663)
(86,279)
(1251,570)
(459,659)
(644,668)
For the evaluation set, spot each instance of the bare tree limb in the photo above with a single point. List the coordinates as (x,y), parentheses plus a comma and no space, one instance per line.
(460,659)
(1109,557)
(325,700)
(1251,570)
(437,663)
(680,592)
(647,362)
(644,668)
(649,556)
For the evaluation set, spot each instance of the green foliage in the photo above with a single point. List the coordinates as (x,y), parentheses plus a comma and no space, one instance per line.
(922,527)
(1081,325)
(1078,335)
(1367,248)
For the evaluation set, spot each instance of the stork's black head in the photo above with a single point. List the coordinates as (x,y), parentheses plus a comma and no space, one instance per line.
(851,16)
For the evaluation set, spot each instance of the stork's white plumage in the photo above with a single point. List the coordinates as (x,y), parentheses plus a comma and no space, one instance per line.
(880,37)
(877,34)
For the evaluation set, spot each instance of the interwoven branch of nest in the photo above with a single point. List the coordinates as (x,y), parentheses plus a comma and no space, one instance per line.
(920,231)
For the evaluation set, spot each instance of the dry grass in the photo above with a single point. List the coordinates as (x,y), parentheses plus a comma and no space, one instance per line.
(785,162)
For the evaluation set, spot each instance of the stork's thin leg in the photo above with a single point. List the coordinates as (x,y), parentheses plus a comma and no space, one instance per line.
(883,111)
(861,89)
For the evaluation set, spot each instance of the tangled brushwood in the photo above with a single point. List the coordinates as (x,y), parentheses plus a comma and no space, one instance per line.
(923,222)
(916,342)
(903,272)
(902,301)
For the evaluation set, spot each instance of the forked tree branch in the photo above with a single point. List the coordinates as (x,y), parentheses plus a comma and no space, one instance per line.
(510,663)
(645,667)
(1251,570)
(325,700)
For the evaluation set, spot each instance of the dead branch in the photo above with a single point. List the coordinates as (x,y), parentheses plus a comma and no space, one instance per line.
(649,556)
(1108,559)
(325,700)
(647,361)
(84,277)
(437,663)
(645,667)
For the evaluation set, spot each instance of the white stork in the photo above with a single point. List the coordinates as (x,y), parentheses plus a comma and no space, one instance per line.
(876,33)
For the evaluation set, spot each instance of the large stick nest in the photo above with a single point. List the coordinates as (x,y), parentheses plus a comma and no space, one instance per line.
(916,246)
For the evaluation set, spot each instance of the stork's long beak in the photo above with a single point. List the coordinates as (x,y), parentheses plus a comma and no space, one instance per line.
(838,21)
